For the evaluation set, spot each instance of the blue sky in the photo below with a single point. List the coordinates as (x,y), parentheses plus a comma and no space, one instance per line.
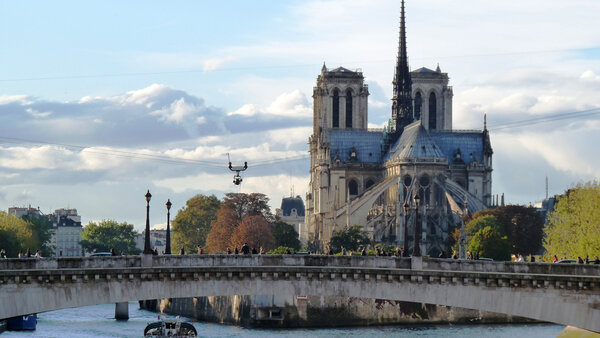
(196,80)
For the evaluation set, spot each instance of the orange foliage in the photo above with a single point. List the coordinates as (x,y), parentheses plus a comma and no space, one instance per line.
(255,231)
(221,230)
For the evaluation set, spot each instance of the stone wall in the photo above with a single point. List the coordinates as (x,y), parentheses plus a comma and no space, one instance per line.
(318,311)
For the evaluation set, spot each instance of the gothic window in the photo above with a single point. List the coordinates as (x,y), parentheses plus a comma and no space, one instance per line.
(369,183)
(349,109)
(418,105)
(336,109)
(432,111)
(425,190)
(353,187)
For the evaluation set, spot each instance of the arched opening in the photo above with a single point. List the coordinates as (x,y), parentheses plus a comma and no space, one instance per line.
(353,188)
(418,105)
(432,111)
(336,109)
(369,183)
(349,109)
(425,191)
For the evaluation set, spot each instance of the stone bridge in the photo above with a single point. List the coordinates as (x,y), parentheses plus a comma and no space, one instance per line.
(564,294)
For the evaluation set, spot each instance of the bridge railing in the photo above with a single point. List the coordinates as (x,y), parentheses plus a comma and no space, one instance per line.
(297,260)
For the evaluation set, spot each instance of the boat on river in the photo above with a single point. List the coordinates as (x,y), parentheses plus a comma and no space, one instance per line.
(170,327)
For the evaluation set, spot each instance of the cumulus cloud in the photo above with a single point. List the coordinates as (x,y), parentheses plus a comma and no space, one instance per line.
(293,104)
(216,63)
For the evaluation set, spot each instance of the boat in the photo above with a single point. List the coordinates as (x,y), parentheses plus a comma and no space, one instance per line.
(170,327)
(22,323)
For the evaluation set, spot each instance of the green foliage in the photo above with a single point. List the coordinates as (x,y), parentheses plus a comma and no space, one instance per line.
(41,229)
(522,225)
(482,222)
(192,223)
(281,250)
(108,234)
(351,238)
(15,235)
(574,227)
(489,242)
(285,235)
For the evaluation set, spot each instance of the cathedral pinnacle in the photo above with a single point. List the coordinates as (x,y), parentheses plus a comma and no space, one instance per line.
(402,110)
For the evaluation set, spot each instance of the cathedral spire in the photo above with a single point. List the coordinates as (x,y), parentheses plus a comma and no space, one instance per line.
(402,109)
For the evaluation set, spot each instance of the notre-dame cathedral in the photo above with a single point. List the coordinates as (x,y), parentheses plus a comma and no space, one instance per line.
(361,176)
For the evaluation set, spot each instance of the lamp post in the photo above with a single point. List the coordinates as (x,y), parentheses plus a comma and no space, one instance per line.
(406,209)
(147,246)
(168,245)
(416,248)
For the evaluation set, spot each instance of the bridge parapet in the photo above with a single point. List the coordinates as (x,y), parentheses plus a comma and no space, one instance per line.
(299,260)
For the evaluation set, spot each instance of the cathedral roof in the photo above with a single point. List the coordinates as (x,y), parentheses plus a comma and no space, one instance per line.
(415,142)
(289,203)
(367,145)
(424,70)
(470,144)
(342,70)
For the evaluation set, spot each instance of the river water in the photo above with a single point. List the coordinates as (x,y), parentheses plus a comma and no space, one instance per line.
(98,321)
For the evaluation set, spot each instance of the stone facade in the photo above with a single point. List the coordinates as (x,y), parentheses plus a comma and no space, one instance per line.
(365,177)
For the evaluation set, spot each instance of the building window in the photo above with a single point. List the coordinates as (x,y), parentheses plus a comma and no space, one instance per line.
(349,109)
(432,111)
(369,183)
(336,109)
(418,105)
(353,188)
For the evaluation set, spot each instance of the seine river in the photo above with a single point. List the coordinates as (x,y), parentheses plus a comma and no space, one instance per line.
(97,321)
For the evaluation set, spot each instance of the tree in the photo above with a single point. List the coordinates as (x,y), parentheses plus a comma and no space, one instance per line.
(285,235)
(281,250)
(41,229)
(108,234)
(574,226)
(351,238)
(192,223)
(478,223)
(488,242)
(255,231)
(253,204)
(524,227)
(221,229)
(15,235)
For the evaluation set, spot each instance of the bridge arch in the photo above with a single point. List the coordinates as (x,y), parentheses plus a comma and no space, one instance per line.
(568,299)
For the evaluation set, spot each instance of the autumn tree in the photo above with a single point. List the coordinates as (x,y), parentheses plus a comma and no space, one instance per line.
(108,234)
(221,229)
(286,236)
(192,223)
(255,231)
(574,226)
(253,204)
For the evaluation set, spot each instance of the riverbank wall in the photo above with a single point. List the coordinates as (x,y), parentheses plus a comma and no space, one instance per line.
(318,311)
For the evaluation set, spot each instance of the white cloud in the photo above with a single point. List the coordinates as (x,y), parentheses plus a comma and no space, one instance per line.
(291,104)
(216,63)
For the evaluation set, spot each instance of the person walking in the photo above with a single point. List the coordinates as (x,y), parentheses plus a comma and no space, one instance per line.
(38,254)
(228,251)
(182,251)
(596,261)
(579,260)
(587,259)
(200,251)
(343,251)
(555,259)
(245,249)
(363,252)
(237,251)
(2,253)
(28,253)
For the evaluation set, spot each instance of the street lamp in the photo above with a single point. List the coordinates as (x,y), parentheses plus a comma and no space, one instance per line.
(416,248)
(147,246)
(406,209)
(168,246)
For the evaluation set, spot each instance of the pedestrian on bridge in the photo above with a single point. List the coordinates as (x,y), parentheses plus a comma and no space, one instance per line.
(200,251)
(245,249)
(182,251)
(596,261)
(2,253)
